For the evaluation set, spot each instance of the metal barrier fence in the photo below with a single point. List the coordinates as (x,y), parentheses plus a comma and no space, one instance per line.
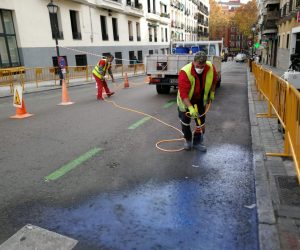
(21,75)
(284,100)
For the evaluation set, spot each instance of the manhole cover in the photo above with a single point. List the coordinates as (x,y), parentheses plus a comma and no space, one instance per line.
(289,190)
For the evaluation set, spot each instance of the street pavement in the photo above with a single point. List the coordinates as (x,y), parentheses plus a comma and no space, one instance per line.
(277,189)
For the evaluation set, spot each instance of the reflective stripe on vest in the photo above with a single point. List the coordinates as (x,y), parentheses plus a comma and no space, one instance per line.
(208,82)
(96,70)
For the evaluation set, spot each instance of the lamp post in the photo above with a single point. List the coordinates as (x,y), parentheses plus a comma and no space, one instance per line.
(253,30)
(52,8)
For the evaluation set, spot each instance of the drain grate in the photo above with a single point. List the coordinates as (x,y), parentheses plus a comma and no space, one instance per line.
(289,190)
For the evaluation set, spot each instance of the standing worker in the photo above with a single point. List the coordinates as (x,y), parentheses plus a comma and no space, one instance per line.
(99,72)
(196,86)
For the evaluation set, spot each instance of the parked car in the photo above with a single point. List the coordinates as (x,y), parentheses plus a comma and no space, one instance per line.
(240,57)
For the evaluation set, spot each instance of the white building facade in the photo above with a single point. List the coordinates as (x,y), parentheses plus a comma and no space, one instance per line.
(87,30)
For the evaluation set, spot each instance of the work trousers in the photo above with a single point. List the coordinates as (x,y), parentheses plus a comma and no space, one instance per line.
(101,84)
(197,136)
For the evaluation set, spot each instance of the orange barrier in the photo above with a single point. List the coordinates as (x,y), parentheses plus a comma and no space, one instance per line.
(21,75)
(21,112)
(284,100)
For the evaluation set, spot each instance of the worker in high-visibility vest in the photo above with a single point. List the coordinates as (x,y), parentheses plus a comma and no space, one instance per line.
(99,72)
(196,86)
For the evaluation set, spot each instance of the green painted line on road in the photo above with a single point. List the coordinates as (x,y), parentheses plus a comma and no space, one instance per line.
(72,164)
(140,122)
(169,104)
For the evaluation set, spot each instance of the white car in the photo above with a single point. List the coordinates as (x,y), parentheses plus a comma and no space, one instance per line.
(240,57)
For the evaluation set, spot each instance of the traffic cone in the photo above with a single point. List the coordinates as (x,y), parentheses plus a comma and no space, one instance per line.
(148,79)
(126,83)
(21,112)
(65,100)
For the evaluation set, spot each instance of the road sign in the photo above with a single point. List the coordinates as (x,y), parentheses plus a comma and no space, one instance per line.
(18,91)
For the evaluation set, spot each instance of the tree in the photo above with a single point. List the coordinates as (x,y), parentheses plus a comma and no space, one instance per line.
(245,16)
(218,21)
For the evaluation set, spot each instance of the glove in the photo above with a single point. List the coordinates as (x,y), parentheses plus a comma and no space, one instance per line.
(193,112)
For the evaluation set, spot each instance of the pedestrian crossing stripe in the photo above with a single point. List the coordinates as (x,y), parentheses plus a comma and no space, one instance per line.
(17,97)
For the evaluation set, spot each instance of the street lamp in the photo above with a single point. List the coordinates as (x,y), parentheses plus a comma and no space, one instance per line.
(253,30)
(52,8)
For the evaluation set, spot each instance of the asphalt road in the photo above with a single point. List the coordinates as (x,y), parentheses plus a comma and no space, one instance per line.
(121,191)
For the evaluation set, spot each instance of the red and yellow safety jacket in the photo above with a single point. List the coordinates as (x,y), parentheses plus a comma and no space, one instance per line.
(101,68)
(189,84)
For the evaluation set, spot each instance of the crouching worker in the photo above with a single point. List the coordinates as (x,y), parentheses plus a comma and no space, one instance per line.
(196,85)
(103,66)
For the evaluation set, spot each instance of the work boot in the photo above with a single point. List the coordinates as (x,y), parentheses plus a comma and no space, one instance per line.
(200,147)
(187,145)
(110,94)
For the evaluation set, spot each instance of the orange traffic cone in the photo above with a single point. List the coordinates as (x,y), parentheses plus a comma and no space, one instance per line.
(21,112)
(65,100)
(126,83)
(148,79)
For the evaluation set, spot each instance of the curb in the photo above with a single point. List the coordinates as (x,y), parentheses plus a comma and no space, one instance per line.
(268,235)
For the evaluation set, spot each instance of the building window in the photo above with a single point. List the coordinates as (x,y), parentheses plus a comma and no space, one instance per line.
(155,34)
(140,56)
(115,29)
(131,57)
(287,40)
(9,53)
(104,28)
(149,6)
(166,32)
(162,34)
(150,34)
(56,26)
(150,52)
(75,24)
(81,60)
(118,58)
(138,32)
(130,32)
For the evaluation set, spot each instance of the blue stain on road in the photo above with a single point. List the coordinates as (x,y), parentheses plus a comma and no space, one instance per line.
(178,214)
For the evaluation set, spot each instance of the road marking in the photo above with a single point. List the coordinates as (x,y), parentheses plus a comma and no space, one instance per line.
(72,164)
(169,104)
(140,122)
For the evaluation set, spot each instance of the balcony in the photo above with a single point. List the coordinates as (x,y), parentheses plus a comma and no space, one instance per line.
(289,11)
(153,16)
(165,18)
(271,2)
(134,9)
(269,27)
(272,15)
(115,5)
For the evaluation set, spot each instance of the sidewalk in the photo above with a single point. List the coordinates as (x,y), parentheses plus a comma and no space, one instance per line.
(277,187)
